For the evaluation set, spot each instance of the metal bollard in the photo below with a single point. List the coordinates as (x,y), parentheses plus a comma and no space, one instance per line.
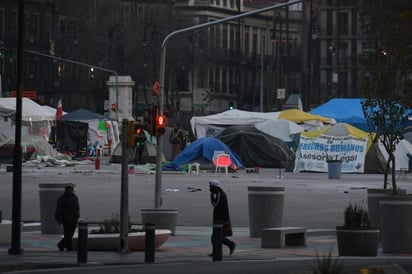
(217,241)
(82,242)
(149,250)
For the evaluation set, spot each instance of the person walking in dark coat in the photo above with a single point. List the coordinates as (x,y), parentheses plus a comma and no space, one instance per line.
(67,213)
(220,205)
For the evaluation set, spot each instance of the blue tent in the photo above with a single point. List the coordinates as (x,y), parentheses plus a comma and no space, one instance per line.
(344,110)
(203,147)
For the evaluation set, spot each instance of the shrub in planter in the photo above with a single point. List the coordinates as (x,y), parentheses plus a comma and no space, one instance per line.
(356,237)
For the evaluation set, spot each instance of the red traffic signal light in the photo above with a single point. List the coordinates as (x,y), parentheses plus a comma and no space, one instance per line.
(156,88)
(114,107)
(160,125)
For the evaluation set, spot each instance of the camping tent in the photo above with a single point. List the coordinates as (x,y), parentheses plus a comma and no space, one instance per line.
(212,125)
(340,142)
(279,128)
(202,149)
(403,149)
(344,110)
(31,111)
(101,129)
(256,148)
(35,119)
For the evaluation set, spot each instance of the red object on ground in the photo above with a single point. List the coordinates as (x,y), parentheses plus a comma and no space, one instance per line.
(97,163)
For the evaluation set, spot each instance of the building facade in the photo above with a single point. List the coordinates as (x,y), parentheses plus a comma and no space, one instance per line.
(253,63)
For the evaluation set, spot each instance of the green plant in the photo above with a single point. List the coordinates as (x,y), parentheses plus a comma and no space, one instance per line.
(356,216)
(325,264)
(112,225)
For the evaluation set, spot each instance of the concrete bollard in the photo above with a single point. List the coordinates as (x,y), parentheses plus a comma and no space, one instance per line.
(82,242)
(217,241)
(149,249)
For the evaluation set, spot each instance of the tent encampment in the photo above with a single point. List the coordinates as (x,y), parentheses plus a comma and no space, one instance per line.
(256,148)
(101,129)
(344,110)
(212,125)
(339,142)
(202,151)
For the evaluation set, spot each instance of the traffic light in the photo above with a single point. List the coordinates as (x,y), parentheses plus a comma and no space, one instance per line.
(160,125)
(114,107)
(135,134)
(231,105)
(1,49)
(156,88)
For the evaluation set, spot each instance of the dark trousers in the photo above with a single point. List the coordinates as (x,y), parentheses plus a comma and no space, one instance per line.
(138,157)
(225,240)
(66,242)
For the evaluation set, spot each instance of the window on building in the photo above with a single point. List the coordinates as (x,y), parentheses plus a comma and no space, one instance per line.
(2,23)
(343,18)
(232,38)
(35,27)
(247,39)
(254,43)
(224,36)
(224,80)
(217,80)
(225,3)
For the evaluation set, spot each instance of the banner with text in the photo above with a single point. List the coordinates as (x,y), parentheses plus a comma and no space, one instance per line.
(313,153)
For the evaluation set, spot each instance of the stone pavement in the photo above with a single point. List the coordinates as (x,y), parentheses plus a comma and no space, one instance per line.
(189,245)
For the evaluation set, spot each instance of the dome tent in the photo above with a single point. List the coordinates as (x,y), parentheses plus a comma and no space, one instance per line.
(256,148)
(202,151)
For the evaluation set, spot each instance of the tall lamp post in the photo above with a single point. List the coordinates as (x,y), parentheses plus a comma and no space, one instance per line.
(159,150)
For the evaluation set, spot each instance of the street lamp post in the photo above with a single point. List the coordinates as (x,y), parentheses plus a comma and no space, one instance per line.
(158,178)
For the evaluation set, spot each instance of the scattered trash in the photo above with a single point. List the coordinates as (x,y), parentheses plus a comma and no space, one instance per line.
(172,190)
(192,189)
(252,170)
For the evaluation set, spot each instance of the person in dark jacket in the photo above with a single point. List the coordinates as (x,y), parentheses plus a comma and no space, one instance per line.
(67,214)
(220,205)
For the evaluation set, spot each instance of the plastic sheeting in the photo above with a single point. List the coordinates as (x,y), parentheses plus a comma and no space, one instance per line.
(256,148)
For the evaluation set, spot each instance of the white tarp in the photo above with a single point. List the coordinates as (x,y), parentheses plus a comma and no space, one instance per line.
(208,126)
(31,111)
(212,125)
(313,153)
(281,129)
(403,148)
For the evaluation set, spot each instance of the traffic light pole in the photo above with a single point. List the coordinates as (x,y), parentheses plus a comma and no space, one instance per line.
(159,150)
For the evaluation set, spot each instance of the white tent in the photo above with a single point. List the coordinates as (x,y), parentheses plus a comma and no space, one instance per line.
(203,126)
(212,125)
(35,119)
(281,129)
(403,148)
(31,111)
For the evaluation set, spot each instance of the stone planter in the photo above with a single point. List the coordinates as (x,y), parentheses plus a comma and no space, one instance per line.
(374,196)
(111,242)
(265,208)
(48,196)
(361,241)
(396,223)
(162,218)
